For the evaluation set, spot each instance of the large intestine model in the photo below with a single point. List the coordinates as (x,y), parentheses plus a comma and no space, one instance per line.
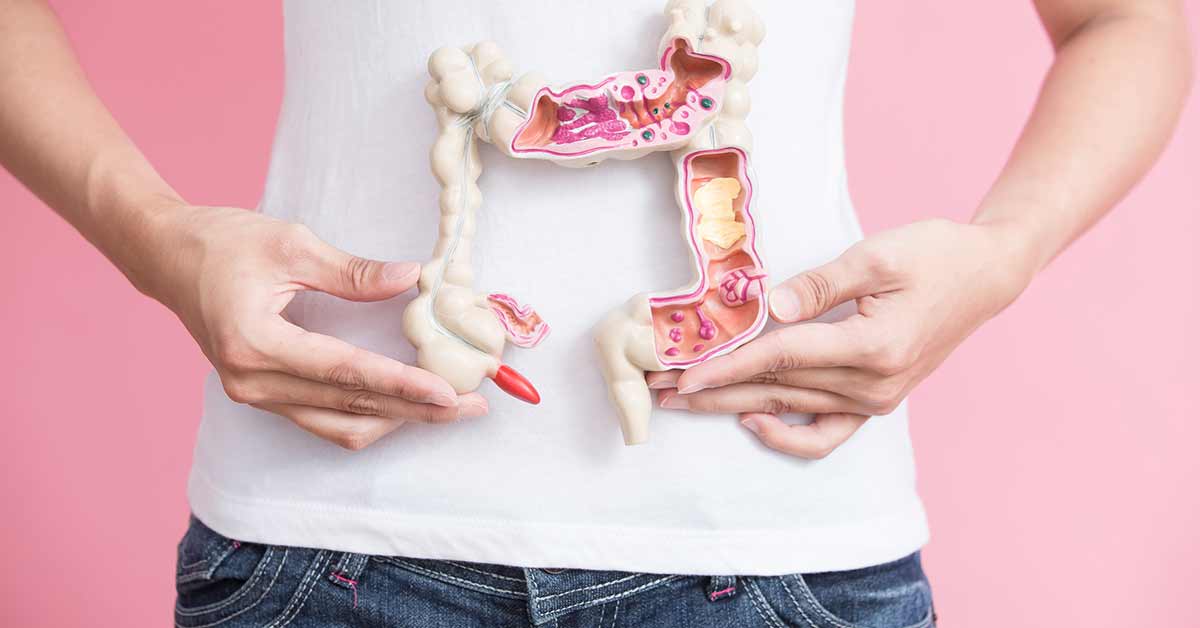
(693,105)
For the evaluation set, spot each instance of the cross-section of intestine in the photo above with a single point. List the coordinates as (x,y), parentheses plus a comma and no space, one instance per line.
(631,112)
(694,104)
(525,328)
(693,325)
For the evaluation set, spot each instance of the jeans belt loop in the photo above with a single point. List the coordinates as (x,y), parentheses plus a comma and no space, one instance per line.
(721,587)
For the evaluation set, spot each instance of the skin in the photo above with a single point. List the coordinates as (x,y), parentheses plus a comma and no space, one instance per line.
(1121,74)
(227,273)
(1107,107)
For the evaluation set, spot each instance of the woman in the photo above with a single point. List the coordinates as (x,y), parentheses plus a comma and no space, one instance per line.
(312,509)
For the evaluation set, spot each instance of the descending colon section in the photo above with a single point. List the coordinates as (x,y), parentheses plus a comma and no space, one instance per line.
(640,110)
(724,308)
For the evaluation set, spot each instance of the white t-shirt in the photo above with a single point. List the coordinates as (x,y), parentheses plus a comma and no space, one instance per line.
(551,485)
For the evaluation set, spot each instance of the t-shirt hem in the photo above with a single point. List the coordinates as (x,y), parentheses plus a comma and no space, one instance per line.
(763,551)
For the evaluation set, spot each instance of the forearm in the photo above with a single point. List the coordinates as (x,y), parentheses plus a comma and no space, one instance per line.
(61,142)
(1105,112)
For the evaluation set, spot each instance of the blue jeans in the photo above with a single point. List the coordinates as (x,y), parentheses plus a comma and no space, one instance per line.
(227,583)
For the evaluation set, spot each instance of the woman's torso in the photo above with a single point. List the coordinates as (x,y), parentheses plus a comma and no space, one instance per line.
(550,485)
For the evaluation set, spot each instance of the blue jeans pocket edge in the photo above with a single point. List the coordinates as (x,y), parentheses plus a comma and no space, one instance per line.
(893,595)
(218,578)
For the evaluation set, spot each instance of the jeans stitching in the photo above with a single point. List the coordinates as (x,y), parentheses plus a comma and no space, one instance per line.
(218,605)
(837,621)
(616,609)
(433,573)
(816,605)
(246,588)
(486,573)
(799,608)
(191,577)
(217,550)
(218,546)
(340,565)
(270,586)
(533,595)
(356,565)
(600,624)
(222,548)
(924,623)
(196,563)
(615,596)
(594,586)
(769,618)
(347,570)
(807,591)
(303,591)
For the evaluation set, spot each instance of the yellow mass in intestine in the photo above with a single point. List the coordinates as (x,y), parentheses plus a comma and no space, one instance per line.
(718,221)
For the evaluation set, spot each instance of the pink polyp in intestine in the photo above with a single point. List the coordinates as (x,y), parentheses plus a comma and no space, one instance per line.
(677,317)
(708,330)
(676,334)
(525,328)
(741,285)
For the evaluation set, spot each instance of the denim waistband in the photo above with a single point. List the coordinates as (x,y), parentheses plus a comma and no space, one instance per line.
(551,593)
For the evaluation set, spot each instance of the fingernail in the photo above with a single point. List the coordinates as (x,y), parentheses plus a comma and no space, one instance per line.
(445,400)
(785,305)
(672,401)
(400,271)
(663,385)
(750,424)
(691,388)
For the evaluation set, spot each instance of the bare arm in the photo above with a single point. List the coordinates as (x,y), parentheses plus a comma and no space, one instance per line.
(226,273)
(1121,73)
(60,140)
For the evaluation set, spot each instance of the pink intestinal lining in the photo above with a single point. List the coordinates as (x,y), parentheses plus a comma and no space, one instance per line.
(696,295)
(608,131)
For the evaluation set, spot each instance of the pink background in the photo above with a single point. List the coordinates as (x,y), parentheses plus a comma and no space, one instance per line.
(1056,447)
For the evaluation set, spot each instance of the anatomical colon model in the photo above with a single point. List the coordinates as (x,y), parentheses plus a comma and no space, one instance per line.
(694,105)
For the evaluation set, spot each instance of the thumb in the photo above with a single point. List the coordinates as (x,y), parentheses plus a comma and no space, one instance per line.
(359,279)
(815,292)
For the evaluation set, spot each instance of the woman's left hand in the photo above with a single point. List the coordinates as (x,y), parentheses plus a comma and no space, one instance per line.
(920,289)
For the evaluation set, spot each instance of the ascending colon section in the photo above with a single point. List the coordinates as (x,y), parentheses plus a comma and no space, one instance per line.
(723,308)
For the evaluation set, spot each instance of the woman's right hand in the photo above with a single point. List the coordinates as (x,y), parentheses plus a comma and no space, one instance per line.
(229,273)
